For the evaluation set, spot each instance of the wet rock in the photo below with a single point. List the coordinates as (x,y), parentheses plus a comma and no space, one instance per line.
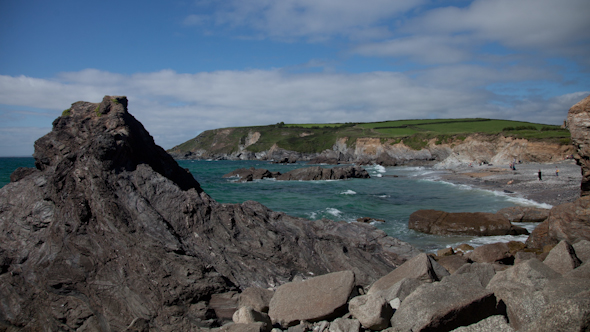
(312,300)
(251,174)
(462,223)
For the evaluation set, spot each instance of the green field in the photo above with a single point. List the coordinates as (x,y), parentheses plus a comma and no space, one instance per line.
(311,138)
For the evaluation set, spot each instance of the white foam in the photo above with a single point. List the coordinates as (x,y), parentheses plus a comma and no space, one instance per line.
(334,212)
(380,169)
(379,175)
(348,192)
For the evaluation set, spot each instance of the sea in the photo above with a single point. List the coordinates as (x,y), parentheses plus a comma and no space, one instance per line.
(391,194)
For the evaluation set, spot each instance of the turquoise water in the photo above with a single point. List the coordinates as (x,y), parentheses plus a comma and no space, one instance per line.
(391,194)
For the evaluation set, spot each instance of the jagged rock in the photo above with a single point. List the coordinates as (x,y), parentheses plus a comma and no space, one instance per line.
(578,118)
(372,311)
(491,253)
(530,273)
(20,173)
(255,297)
(494,323)
(321,159)
(385,159)
(421,267)
(110,228)
(312,300)
(483,272)
(524,214)
(455,301)
(582,249)
(522,256)
(568,221)
(462,223)
(319,173)
(562,258)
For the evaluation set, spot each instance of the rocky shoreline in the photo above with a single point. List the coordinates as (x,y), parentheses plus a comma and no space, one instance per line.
(523,182)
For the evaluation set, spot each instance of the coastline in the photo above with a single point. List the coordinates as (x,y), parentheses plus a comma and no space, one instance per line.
(524,181)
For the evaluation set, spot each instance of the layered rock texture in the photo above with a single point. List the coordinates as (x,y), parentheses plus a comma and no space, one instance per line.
(108,233)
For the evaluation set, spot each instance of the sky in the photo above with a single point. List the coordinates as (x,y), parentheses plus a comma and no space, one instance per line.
(191,65)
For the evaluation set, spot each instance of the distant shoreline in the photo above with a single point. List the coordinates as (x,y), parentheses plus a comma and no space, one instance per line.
(523,182)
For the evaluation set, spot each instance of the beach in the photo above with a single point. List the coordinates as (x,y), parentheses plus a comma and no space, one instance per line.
(524,182)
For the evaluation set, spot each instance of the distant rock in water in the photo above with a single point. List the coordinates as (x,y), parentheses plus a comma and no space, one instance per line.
(463,223)
(109,233)
(300,174)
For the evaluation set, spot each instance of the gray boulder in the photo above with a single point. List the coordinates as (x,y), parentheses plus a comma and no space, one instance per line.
(452,263)
(345,325)
(421,267)
(247,315)
(563,316)
(562,258)
(372,311)
(582,271)
(457,300)
(316,299)
(494,323)
(400,290)
(529,273)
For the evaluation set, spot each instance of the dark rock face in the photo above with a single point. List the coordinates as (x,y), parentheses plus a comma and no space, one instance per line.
(577,122)
(465,223)
(111,233)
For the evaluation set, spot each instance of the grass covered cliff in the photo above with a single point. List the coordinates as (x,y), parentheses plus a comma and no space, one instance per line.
(315,138)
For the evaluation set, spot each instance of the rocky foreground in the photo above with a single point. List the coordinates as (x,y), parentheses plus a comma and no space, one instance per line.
(108,233)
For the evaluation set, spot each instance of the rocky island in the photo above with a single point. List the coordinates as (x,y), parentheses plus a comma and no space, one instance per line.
(108,233)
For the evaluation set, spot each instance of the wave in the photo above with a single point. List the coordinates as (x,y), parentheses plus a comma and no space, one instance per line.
(348,192)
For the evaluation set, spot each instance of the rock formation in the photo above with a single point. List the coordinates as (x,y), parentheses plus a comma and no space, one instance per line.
(109,233)
(314,173)
(462,223)
(578,122)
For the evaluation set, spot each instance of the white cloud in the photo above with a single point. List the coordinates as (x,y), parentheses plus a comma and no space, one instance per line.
(175,107)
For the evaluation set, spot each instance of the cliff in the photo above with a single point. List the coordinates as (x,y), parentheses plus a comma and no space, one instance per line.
(108,233)
(441,143)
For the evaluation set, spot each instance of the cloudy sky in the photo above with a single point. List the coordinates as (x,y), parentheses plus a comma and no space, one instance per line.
(192,65)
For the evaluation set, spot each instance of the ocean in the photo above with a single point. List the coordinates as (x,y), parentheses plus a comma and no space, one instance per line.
(391,194)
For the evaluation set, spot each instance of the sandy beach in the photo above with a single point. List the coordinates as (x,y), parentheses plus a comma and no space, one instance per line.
(524,181)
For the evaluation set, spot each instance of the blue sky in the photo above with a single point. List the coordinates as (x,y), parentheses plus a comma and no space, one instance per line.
(189,66)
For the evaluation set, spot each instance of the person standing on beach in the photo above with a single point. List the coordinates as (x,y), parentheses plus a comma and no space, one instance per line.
(540,179)
(556,171)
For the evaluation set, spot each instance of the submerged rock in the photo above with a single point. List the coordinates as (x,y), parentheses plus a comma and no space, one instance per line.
(462,223)
(110,233)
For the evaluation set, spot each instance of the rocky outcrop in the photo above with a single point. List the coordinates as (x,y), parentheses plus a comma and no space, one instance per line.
(578,122)
(109,233)
(462,223)
(314,173)
(524,214)
(567,221)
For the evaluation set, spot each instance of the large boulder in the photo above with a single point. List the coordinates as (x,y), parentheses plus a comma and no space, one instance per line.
(562,258)
(457,300)
(110,230)
(372,311)
(316,299)
(568,221)
(462,223)
(578,120)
